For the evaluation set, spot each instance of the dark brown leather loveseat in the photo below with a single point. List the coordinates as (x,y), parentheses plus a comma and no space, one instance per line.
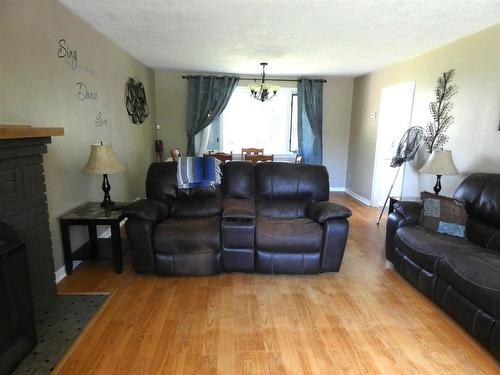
(268,218)
(462,276)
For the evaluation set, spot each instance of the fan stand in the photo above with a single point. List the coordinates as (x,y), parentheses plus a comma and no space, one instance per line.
(407,148)
(388,195)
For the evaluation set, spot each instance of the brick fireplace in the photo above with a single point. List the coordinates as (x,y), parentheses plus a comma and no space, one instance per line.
(23,204)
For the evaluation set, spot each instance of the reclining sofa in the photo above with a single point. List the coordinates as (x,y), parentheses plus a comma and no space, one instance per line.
(267,218)
(461,275)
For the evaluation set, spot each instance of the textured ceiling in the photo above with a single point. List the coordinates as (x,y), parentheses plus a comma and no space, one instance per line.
(295,37)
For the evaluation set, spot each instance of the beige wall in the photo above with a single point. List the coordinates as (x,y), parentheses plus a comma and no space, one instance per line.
(38,88)
(171,104)
(474,137)
(337,100)
(171,108)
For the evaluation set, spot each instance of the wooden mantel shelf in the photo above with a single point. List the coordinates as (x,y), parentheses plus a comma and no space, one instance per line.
(26,131)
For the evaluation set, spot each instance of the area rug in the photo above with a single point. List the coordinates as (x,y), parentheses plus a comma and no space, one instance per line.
(58,329)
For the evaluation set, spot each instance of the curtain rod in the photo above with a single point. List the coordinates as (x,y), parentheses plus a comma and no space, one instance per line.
(260,78)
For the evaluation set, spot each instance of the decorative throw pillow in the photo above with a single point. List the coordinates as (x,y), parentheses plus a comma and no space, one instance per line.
(443,215)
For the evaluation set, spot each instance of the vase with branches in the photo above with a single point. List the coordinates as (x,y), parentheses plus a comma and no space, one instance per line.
(440,109)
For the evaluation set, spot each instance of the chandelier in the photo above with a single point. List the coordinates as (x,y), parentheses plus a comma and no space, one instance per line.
(262,91)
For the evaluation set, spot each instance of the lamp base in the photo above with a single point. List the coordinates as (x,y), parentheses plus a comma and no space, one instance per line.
(437,187)
(106,188)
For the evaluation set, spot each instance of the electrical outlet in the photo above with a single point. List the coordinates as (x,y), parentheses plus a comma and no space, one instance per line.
(373,115)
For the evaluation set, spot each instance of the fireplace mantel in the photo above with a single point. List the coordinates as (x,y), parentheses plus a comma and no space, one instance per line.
(27,131)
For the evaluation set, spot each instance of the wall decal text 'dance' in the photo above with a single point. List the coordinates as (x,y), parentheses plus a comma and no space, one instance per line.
(135,101)
(83,92)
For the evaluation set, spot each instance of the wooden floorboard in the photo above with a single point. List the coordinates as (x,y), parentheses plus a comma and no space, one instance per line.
(363,320)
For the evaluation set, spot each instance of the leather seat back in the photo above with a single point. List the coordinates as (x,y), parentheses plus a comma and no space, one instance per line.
(161,184)
(284,190)
(238,180)
(480,193)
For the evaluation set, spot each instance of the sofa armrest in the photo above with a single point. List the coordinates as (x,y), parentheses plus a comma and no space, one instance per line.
(334,243)
(240,209)
(410,211)
(146,209)
(140,237)
(405,213)
(323,211)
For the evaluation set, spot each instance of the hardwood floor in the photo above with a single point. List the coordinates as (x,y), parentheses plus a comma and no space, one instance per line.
(363,320)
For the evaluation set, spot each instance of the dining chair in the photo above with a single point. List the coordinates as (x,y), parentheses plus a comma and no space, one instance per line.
(222,156)
(259,158)
(175,153)
(251,151)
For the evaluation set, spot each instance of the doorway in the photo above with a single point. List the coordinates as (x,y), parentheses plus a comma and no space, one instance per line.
(396,104)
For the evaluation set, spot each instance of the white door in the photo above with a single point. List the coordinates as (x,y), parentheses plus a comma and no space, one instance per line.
(396,103)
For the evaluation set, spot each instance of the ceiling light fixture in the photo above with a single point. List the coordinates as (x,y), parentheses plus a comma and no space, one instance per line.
(262,91)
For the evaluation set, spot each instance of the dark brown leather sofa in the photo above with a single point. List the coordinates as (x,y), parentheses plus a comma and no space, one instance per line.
(462,276)
(268,218)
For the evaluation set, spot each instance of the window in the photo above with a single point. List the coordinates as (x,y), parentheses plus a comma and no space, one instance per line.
(294,138)
(247,122)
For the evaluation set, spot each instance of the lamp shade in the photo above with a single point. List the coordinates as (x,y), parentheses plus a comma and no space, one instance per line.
(103,160)
(440,163)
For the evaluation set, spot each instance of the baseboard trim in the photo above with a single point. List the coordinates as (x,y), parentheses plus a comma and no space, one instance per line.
(337,189)
(358,197)
(61,272)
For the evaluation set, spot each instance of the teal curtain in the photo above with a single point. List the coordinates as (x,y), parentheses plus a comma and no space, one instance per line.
(207,98)
(310,120)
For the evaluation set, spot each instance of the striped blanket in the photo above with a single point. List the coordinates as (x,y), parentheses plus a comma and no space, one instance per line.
(195,171)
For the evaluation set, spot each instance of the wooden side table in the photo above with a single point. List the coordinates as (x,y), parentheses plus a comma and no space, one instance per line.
(393,199)
(92,214)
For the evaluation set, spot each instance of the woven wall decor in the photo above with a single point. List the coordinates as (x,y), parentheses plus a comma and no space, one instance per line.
(135,101)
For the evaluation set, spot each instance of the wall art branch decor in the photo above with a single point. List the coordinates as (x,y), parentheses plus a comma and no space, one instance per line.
(135,101)
(436,137)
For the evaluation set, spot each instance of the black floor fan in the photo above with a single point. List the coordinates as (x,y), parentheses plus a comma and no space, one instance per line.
(407,149)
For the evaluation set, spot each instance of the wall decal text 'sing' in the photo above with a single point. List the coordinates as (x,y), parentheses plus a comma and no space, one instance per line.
(64,52)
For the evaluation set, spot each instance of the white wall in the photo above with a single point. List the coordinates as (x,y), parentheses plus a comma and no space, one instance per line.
(474,137)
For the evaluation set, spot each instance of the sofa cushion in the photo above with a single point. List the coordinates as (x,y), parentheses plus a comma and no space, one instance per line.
(483,235)
(283,190)
(288,235)
(182,236)
(424,247)
(161,185)
(443,215)
(238,180)
(196,204)
(475,273)
(480,192)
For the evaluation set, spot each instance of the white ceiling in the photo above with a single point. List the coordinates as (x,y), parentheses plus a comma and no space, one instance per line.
(296,37)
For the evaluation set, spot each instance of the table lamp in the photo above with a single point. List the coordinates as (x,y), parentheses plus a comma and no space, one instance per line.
(103,160)
(440,163)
